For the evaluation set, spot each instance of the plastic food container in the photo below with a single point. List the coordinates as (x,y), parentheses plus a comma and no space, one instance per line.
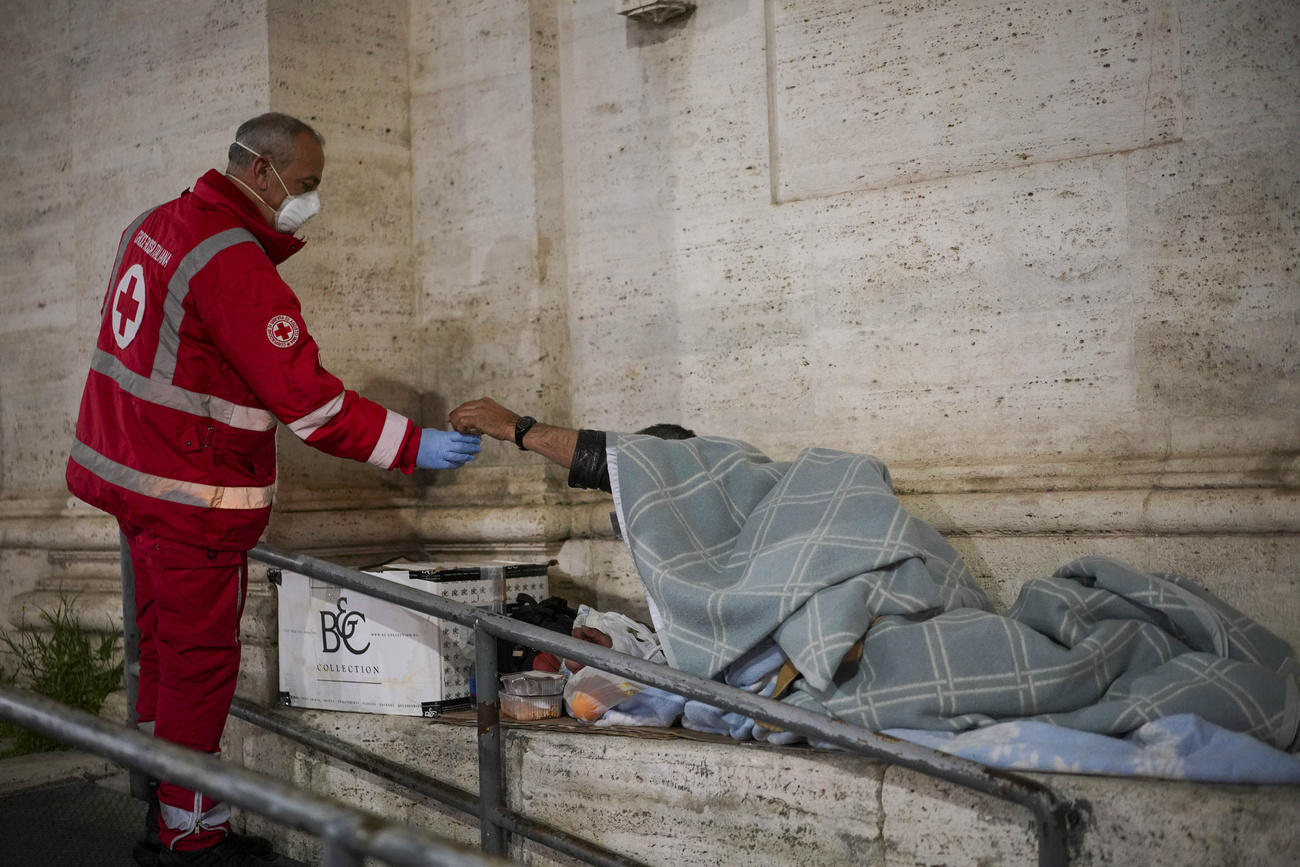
(530,695)
(531,707)
(532,683)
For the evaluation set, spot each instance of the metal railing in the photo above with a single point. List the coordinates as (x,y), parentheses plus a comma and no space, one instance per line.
(349,835)
(1055,820)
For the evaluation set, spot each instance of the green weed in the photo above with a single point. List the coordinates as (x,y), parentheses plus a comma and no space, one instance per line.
(69,664)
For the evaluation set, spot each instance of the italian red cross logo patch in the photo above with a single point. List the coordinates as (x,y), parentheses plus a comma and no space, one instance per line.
(282,331)
(128,306)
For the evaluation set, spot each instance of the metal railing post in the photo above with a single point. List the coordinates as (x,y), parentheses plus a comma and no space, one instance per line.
(139,781)
(488,707)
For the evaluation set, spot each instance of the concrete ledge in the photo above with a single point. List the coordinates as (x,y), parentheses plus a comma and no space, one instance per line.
(687,800)
(1139,510)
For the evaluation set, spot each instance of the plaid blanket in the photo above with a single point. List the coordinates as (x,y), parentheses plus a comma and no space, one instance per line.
(818,553)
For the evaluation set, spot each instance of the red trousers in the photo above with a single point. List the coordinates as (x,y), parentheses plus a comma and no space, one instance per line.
(188,603)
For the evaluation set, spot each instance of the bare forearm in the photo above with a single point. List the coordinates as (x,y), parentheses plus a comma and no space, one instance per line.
(487,417)
(553,443)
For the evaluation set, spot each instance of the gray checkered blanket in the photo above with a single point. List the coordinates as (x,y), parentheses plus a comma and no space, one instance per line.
(818,552)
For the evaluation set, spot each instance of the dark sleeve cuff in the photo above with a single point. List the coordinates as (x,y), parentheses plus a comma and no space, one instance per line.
(589,467)
(410,450)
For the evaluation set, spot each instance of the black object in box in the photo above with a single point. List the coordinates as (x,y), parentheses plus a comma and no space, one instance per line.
(474,573)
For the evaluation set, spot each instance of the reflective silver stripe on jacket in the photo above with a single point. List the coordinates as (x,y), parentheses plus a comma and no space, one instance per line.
(175,397)
(169,338)
(390,441)
(386,449)
(127,237)
(171,490)
(317,418)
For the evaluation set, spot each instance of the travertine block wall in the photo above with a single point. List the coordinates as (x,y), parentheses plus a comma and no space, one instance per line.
(343,67)
(101,121)
(1080,277)
(489,192)
(117,107)
(1041,259)
(110,108)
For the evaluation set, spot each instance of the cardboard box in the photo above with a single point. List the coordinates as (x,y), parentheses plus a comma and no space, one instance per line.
(341,650)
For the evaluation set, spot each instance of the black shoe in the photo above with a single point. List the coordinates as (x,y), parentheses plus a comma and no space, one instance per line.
(232,851)
(147,849)
(144,856)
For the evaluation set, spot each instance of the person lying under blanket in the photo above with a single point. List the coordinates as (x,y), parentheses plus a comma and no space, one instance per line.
(752,566)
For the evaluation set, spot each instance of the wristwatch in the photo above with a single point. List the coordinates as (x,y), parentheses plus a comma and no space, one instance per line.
(522,425)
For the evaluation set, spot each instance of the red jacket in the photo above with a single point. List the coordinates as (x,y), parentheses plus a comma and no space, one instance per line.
(202,349)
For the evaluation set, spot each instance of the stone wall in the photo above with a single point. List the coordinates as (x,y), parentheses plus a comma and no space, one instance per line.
(122,106)
(1040,259)
(109,110)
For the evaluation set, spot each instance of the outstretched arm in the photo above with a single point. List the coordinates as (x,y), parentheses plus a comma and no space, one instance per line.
(486,416)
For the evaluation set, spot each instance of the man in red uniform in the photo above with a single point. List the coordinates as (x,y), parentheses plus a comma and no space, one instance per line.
(202,349)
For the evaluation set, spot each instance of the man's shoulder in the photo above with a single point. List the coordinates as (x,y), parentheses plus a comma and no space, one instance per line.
(189,228)
(193,215)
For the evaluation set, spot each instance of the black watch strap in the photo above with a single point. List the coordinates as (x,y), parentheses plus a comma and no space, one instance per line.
(522,425)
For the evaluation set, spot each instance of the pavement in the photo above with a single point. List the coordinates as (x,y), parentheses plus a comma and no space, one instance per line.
(68,809)
(75,824)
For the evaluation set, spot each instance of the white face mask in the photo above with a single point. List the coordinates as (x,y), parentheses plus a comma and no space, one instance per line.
(294,210)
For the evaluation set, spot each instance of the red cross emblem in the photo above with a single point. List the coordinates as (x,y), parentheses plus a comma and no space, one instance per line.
(282,331)
(128,306)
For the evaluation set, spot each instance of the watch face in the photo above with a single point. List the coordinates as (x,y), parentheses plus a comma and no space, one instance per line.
(521,427)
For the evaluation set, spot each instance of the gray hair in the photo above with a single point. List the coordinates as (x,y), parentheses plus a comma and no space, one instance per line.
(271,133)
(668,431)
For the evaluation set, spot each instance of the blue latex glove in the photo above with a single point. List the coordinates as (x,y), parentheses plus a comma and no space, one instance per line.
(445,449)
